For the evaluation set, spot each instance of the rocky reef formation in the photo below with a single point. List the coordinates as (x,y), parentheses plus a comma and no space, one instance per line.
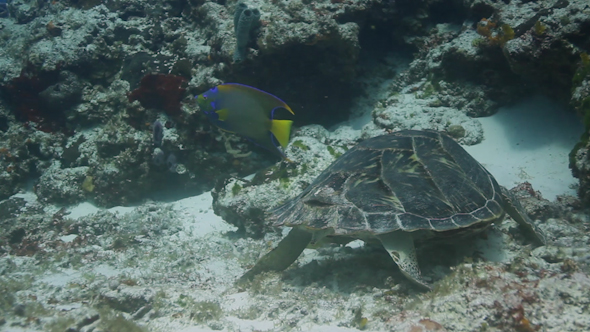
(96,104)
(94,77)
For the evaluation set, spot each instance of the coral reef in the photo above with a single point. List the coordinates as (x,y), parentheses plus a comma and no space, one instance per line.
(65,186)
(314,47)
(160,91)
(85,83)
(80,68)
(545,39)
(33,99)
(580,101)
(418,107)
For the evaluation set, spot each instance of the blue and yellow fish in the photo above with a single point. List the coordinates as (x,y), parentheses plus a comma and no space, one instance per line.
(248,112)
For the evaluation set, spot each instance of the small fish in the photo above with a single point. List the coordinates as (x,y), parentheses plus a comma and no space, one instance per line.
(248,112)
(157,133)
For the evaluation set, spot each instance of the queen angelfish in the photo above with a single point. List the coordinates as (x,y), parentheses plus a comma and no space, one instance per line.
(248,112)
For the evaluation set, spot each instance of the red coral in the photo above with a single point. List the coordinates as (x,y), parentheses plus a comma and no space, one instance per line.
(521,323)
(23,94)
(27,247)
(163,91)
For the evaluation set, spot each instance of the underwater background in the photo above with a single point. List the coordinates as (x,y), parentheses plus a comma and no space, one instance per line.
(130,202)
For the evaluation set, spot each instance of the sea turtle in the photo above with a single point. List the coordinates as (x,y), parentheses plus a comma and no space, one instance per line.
(411,185)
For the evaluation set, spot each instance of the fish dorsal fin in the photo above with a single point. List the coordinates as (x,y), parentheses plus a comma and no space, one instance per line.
(281,129)
(268,101)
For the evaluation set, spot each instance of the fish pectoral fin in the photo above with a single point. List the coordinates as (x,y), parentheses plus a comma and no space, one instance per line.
(222,113)
(281,129)
(226,131)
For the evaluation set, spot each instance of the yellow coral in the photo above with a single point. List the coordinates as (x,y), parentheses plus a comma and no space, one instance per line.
(540,28)
(88,184)
(507,33)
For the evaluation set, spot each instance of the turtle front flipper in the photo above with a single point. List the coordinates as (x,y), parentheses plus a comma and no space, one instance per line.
(516,211)
(282,256)
(400,246)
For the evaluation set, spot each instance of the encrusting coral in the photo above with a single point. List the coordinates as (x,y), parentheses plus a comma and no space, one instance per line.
(488,29)
(160,91)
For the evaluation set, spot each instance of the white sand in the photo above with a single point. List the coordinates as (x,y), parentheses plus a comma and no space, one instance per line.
(530,141)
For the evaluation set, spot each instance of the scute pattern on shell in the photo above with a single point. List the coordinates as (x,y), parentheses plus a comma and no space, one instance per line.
(409,180)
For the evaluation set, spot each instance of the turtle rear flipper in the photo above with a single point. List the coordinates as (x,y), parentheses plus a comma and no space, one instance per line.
(282,256)
(400,246)
(516,211)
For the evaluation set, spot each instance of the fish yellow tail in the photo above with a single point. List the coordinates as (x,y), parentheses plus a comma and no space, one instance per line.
(282,130)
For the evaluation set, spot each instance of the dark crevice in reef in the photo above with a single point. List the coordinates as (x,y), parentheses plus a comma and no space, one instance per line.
(307,78)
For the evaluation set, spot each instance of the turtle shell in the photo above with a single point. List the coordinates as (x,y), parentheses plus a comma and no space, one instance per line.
(409,180)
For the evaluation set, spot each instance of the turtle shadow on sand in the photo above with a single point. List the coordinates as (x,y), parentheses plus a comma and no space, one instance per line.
(346,270)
